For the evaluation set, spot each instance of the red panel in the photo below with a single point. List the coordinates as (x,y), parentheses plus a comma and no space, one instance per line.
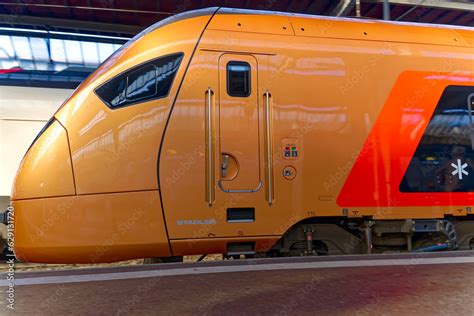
(384,158)
(8,71)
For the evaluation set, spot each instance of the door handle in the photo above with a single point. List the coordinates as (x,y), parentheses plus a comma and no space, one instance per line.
(225,164)
(269,147)
(209,148)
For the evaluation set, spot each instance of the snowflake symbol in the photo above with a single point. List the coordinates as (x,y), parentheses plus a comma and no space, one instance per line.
(459,169)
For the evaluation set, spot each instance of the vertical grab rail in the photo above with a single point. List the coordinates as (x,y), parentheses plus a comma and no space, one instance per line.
(209,149)
(269,147)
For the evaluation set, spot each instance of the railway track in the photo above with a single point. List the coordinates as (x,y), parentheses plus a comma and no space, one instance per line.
(27,266)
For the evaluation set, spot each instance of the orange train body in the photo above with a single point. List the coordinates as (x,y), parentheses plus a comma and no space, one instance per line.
(269,120)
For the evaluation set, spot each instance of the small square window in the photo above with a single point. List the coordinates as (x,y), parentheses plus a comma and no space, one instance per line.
(238,79)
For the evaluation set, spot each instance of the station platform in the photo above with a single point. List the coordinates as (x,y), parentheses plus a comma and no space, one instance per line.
(408,284)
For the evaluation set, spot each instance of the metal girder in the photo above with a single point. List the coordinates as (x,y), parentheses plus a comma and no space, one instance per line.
(439,4)
(65,6)
(69,24)
(386,10)
(343,8)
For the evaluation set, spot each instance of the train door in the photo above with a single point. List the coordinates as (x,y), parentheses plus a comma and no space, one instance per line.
(238,119)
(214,166)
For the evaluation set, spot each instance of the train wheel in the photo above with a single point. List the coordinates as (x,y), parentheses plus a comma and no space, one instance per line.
(256,255)
(163,260)
(300,249)
(428,240)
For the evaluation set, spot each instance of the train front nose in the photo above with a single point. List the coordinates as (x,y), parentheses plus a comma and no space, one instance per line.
(55,224)
(46,169)
(45,173)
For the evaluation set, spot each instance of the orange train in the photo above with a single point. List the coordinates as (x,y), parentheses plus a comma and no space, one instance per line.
(255,133)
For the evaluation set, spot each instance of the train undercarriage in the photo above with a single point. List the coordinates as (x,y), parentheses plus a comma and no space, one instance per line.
(336,236)
(366,236)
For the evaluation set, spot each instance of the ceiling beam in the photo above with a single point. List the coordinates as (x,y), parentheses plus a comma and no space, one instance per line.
(64,6)
(41,22)
(440,4)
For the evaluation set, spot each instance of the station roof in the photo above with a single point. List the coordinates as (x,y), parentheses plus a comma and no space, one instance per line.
(128,17)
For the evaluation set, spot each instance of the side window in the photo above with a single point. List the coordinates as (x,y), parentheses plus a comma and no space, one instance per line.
(444,159)
(141,83)
(238,79)
(145,82)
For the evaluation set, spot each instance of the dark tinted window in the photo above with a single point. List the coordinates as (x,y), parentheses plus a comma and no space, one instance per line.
(141,83)
(444,159)
(145,82)
(113,92)
(238,79)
